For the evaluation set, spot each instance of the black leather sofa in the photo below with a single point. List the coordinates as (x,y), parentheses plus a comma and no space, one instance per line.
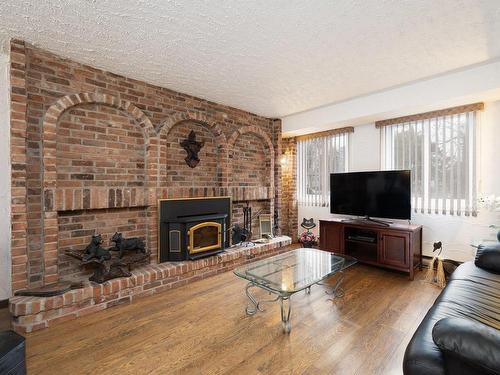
(12,354)
(460,334)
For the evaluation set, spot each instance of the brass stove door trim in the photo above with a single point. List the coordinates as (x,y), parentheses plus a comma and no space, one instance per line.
(191,230)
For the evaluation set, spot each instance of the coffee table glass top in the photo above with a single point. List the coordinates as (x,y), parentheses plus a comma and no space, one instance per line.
(295,270)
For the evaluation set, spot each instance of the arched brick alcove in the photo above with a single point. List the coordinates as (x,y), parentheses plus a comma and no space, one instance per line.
(253,191)
(210,177)
(89,198)
(261,191)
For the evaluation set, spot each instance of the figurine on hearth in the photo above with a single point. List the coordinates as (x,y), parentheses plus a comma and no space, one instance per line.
(126,244)
(307,238)
(94,250)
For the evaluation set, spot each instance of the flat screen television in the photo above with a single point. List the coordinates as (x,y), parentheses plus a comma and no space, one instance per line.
(384,194)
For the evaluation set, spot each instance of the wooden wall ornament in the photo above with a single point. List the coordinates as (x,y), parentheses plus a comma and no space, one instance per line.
(192,147)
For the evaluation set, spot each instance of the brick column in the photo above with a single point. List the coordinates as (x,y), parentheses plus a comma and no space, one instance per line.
(289,223)
(18,160)
(278,192)
(152,184)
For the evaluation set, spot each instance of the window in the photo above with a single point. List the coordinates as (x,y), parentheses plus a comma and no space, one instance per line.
(440,152)
(317,157)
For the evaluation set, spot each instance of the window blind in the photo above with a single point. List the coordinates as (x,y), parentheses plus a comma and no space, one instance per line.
(441,154)
(317,157)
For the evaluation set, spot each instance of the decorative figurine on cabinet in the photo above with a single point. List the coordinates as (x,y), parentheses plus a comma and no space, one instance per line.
(307,238)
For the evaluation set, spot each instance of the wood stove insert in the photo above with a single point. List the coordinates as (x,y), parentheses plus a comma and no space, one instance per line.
(193,228)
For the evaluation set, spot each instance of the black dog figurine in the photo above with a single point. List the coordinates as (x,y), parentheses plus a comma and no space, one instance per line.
(94,250)
(124,244)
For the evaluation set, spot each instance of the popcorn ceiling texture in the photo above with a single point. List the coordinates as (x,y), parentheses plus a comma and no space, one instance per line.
(273,58)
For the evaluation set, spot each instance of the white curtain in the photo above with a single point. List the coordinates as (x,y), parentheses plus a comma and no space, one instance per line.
(440,152)
(316,159)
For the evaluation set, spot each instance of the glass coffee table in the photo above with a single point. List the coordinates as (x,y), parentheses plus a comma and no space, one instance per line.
(288,273)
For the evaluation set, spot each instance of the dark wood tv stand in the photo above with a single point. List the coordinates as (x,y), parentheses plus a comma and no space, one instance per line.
(395,246)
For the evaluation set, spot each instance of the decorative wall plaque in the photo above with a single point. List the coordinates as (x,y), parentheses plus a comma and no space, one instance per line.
(192,147)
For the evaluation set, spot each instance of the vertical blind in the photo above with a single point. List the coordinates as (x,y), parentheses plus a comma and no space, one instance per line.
(316,159)
(440,152)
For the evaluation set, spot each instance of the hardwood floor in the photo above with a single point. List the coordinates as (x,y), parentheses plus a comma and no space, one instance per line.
(201,328)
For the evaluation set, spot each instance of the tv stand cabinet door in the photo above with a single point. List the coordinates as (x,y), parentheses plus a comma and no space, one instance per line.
(331,237)
(394,249)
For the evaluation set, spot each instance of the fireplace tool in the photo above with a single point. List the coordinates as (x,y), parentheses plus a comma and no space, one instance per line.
(243,235)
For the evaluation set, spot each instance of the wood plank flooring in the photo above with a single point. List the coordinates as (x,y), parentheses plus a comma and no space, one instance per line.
(201,328)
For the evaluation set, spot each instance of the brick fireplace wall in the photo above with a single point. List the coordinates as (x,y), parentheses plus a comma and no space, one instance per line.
(93,151)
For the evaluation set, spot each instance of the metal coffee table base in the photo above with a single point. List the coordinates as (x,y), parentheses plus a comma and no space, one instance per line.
(256,306)
(285,301)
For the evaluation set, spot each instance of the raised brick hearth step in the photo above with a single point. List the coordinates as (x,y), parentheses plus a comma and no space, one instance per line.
(34,313)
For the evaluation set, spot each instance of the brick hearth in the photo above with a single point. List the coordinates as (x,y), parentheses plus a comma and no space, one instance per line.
(35,313)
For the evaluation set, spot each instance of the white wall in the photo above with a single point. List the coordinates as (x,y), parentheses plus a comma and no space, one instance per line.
(5,267)
(456,233)
(477,83)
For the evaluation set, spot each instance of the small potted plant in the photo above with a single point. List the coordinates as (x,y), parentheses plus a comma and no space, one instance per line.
(491,203)
(307,239)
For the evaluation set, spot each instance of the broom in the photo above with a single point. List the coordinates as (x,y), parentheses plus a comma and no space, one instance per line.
(439,277)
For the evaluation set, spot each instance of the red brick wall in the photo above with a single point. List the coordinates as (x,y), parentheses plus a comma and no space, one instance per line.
(99,146)
(251,162)
(289,215)
(19,157)
(84,140)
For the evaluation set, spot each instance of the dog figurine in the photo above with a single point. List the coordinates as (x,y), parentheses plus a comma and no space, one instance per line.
(94,250)
(125,244)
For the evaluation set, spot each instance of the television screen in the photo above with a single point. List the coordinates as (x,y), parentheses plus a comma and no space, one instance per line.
(384,194)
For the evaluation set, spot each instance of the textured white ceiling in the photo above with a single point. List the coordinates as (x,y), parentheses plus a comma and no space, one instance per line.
(273,58)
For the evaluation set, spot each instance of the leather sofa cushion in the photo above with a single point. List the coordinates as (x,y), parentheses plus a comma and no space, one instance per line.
(468,344)
(471,293)
(488,257)
(12,353)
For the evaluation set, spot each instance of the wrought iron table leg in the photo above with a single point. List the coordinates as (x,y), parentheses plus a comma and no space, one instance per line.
(255,305)
(286,309)
(251,310)
(338,290)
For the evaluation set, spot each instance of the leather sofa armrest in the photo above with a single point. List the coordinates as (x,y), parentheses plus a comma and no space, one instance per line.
(468,346)
(488,257)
